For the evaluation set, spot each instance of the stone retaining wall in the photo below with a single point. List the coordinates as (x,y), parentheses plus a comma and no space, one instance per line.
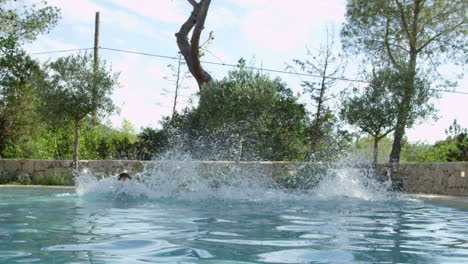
(450,178)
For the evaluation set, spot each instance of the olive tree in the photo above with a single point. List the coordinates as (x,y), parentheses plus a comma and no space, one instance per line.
(76,88)
(375,110)
(409,35)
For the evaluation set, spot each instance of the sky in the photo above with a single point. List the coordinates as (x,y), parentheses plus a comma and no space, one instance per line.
(267,33)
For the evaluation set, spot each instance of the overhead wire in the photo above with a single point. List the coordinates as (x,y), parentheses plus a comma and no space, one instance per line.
(59,51)
(226,65)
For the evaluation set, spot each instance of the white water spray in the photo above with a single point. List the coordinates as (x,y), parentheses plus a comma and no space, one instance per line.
(180,177)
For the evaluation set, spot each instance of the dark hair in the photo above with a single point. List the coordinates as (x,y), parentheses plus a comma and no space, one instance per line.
(124,176)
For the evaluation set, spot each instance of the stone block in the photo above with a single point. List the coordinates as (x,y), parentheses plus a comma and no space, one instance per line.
(42,165)
(11,165)
(27,166)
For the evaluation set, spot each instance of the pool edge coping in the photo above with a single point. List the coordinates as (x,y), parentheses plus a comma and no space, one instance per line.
(20,186)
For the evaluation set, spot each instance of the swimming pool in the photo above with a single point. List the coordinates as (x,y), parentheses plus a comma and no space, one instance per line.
(129,222)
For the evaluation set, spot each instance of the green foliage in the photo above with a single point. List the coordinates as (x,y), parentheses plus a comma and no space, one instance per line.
(24,178)
(395,30)
(422,152)
(328,65)
(75,89)
(10,177)
(55,178)
(7,176)
(453,148)
(18,75)
(26,22)
(374,110)
(335,141)
(122,141)
(457,139)
(459,149)
(245,116)
(409,35)
(151,143)
(364,148)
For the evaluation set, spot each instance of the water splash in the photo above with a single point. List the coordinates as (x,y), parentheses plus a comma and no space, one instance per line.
(177,176)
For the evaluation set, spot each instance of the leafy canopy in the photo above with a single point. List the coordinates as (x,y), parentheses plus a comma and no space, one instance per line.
(75,89)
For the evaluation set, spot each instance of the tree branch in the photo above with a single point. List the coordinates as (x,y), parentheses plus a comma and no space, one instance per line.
(404,22)
(206,43)
(387,44)
(440,34)
(191,50)
(193,2)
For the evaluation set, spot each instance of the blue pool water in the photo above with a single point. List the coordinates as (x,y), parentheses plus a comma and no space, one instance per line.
(130,222)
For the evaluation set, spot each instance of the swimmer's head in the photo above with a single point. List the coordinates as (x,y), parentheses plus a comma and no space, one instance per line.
(124,176)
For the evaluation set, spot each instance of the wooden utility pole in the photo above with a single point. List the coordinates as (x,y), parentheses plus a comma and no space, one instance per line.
(96,40)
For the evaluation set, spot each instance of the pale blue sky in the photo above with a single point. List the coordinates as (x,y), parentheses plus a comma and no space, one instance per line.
(268,33)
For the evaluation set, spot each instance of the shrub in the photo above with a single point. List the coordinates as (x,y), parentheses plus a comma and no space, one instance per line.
(7,176)
(55,178)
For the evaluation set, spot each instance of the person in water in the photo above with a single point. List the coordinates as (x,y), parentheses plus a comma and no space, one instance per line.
(124,176)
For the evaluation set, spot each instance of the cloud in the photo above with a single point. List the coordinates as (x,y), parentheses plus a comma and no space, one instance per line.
(221,17)
(278,25)
(82,10)
(160,10)
(128,22)
(45,43)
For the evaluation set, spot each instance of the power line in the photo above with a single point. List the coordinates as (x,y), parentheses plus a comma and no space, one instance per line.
(447,91)
(226,65)
(58,51)
(141,53)
(232,65)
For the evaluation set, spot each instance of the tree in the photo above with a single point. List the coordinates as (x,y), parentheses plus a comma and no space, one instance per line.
(75,89)
(374,110)
(453,148)
(457,137)
(18,74)
(26,22)
(406,34)
(191,50)
(364,148)
(245,116)
(178,78)
(328,65)
(18,71)
(151,142)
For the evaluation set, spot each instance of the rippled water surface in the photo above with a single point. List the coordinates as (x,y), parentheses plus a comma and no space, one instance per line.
(59,226)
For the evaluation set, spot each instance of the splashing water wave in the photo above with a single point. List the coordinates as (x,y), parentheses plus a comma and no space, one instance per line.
(186,179)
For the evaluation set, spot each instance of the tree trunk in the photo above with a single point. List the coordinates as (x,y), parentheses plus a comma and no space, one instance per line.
(191,50)
(316,135)
(409,75)
(398,138)
(76,145)
(376,150)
